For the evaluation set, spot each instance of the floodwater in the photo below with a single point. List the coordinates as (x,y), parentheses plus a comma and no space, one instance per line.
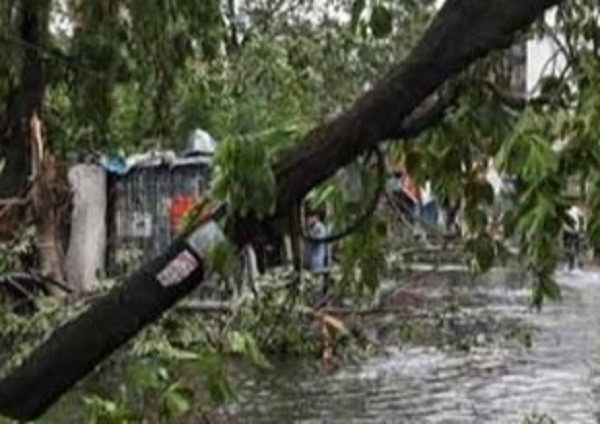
(559,375)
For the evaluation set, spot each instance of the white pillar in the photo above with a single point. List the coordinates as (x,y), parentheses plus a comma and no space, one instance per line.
(87,243)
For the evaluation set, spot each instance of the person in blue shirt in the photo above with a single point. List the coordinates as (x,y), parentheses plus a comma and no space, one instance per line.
(317,255)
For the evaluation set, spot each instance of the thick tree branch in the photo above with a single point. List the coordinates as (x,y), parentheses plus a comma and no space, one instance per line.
(463,31)
(426,117)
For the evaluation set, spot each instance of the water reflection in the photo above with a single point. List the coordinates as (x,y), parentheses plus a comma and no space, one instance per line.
(559,375)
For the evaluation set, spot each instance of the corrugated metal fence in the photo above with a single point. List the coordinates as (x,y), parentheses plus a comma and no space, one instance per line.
(141,208)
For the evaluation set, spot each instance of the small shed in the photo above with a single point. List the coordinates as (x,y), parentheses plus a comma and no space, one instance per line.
(145,208)
(147,198)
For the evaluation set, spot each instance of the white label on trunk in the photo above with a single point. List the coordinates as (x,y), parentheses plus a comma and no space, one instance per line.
(201,241)
(178,269)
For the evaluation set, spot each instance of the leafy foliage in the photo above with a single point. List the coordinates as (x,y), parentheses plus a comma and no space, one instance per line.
(245,180)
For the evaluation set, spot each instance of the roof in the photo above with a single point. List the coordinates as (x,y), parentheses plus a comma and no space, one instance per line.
(121,165)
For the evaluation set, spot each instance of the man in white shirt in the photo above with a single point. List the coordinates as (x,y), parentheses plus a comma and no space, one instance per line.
(573,234)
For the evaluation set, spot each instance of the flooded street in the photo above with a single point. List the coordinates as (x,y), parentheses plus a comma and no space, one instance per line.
(499,383)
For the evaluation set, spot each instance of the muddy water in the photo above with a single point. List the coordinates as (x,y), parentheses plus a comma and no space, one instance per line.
(559,375)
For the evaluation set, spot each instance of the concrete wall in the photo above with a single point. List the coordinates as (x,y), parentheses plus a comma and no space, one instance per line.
(543,59)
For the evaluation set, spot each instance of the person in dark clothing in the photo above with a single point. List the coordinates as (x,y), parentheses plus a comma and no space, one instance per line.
(451,210)
(399,187)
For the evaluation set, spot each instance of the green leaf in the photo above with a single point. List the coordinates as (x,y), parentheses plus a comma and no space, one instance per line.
(237,342)
(244,177)
(483,249)
(476,218)
(220,389)
(485,253)
(243,343)
(177,400)
(545,287)
(210,365)
(144,376)
(221,260)
(381,21)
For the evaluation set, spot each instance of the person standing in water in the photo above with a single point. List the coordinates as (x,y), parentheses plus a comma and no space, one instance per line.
(317,257)
(573,236)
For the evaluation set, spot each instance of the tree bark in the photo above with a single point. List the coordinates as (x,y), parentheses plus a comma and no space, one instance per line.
(23,149)
(27,101)
(22,104)
(50,198)
(463,31)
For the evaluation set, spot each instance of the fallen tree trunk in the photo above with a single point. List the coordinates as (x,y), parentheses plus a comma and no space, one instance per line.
(76,348)
(463,31)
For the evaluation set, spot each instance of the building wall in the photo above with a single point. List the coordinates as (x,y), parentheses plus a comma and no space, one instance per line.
(543,59)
